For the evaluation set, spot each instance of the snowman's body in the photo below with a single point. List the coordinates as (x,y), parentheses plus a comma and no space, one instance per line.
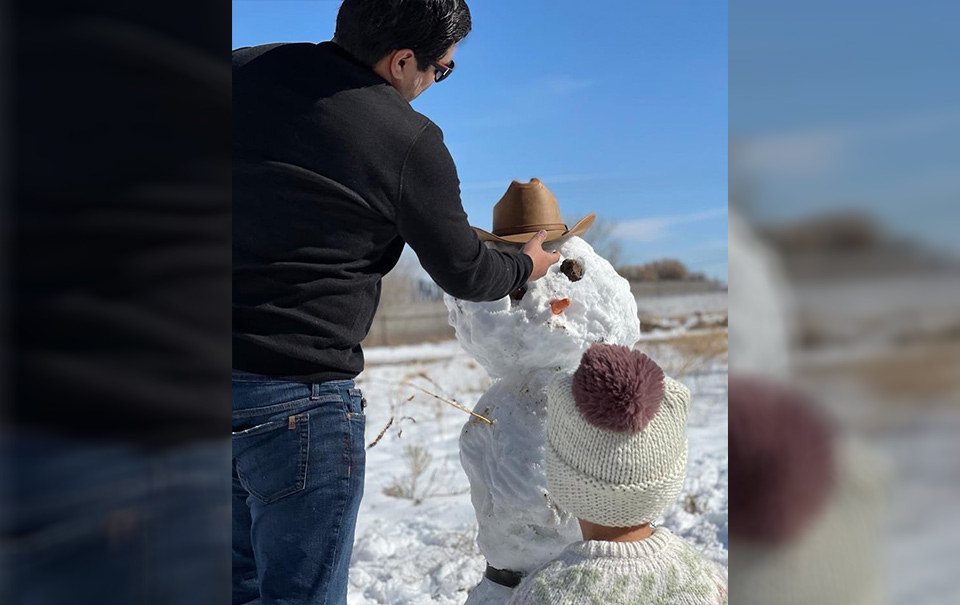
(522,343)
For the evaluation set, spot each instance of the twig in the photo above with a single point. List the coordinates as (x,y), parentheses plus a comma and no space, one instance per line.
(453,403)
(428,379)
(382,433)
(410,418)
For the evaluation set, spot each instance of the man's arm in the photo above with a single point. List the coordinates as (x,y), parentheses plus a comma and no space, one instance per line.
(431,219)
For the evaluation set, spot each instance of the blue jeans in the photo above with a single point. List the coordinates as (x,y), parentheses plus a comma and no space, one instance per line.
(298,467)
(109,522)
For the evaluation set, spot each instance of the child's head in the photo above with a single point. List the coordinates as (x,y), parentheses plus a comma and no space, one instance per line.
(617,454)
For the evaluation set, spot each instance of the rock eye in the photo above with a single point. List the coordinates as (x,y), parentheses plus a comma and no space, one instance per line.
(572,269)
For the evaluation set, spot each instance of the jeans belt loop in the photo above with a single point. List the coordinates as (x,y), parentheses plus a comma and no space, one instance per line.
(315,391)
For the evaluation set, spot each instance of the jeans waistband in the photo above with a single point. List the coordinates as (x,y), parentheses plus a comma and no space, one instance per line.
(238,376)
(251,391)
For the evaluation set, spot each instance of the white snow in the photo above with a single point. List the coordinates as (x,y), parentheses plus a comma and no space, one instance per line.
(408,554)
(523,342)
(520,529)
(417,533)
(420,352)
(701,514)
(683,304)
(515,337)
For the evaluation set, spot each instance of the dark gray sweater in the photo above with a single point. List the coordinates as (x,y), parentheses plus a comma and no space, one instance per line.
(333,172)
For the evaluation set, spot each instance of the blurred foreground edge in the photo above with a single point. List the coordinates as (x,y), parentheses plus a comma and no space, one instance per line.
(843,162)
(115,444)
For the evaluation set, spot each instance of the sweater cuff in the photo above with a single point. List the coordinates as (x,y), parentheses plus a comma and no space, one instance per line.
(527,263)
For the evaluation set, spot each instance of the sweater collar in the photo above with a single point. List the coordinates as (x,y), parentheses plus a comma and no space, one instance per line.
(341,52)
(648,547)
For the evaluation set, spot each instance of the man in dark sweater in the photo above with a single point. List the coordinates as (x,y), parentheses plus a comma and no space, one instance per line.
(333,173)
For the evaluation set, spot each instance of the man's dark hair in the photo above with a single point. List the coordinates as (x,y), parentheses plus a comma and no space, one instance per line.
(370,29)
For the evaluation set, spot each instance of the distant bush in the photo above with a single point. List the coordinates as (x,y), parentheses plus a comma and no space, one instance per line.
(638,273)
(670,268)
(667,269)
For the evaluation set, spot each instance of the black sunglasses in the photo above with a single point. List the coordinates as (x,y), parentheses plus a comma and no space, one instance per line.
(442,70)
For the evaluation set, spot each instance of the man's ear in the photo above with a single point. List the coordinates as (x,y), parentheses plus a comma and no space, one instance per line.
(400,61)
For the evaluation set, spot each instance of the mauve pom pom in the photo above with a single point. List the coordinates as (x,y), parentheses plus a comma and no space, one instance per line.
(781,461)
(617,389)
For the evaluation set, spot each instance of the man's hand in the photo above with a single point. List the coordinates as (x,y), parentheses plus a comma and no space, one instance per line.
(541,258)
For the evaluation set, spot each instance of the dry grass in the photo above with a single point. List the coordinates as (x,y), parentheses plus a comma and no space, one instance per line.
(691,505)
(908,375)
(399,399)
(711,344)
(696,496)
(416,484)
(690,352)
(887,389)
(650,322)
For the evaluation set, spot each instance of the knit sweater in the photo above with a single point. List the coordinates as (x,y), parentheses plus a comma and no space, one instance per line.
(662,569)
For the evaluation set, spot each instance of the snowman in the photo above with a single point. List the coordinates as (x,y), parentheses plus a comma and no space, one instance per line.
(522,340)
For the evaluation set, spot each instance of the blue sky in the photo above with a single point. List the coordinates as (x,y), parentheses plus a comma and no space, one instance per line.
(620,107)
(850,105)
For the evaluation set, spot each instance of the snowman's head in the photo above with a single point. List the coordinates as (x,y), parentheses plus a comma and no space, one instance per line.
(549,323)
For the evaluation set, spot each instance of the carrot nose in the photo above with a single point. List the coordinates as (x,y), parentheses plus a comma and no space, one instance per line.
(557,306)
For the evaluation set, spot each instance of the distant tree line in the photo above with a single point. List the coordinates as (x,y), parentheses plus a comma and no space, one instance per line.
(665,269)
(603,237)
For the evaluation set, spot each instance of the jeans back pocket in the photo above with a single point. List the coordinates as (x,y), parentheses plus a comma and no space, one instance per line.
(272,457)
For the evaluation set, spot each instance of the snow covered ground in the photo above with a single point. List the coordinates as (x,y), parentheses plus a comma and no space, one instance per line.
(415,541)
(681,304)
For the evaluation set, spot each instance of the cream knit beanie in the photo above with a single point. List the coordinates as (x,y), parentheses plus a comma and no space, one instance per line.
(616,430)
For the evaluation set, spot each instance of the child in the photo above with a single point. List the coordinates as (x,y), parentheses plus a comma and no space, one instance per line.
(617,457)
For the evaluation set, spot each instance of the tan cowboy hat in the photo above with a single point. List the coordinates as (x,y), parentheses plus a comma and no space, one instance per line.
(525,209)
